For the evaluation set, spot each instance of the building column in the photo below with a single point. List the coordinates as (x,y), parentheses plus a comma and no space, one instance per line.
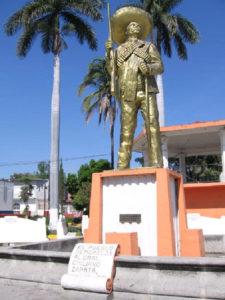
(182,166)
(145,155)
(160,100)
(222,144)
(164,151)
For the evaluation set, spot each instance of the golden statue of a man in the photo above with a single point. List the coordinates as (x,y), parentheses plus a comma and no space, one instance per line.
(135,63)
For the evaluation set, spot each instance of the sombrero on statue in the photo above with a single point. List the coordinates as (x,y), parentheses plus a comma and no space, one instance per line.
(123,16)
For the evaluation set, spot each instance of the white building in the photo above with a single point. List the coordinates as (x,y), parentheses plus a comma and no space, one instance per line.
(69,209)
(37,203)
(199,138)
(6,197)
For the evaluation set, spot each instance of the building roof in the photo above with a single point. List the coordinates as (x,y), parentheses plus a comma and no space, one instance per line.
(197,138)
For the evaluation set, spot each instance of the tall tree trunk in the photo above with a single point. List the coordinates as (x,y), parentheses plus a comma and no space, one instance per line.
(112,145)
(54,159)
(160,101)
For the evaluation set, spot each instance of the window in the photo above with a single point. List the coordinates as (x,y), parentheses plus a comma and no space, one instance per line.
(16,208)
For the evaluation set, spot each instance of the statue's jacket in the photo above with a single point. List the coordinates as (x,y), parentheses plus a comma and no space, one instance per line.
(128,58)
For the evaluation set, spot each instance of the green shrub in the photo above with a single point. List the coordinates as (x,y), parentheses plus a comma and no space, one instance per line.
(73,220)
(69,220)
(77,220)
(25,212)
(74,229)
(34,218)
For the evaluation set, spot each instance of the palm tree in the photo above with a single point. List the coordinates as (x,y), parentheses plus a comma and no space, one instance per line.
(54,20)
(100,99)
(168,28)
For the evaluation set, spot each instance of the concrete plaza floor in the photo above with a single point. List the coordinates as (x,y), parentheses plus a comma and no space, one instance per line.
(11,290)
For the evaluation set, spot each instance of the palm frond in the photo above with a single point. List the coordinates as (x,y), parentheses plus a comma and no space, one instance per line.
(171,27)
(180,46)
(132,4)
(47,38)
(29,13)
(168,5)
(107,109)
(103,109)
(89,8)
(171,23)
(166,42)
(86,102)
(14,23)
(187,29)
(35,10)
(96,77)
(67,30)
(47,29)
(51,41)
(89,112)
(47,13)
(26,39)
(155,8)
(81,29)
(85,84)
(64,45)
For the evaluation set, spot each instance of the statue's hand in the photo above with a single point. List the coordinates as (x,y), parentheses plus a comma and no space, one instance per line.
(144,68)
(108,45)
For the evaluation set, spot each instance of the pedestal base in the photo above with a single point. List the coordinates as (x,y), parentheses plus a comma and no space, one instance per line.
(149,202)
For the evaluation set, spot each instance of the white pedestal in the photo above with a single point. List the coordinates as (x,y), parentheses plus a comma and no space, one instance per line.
(127,198)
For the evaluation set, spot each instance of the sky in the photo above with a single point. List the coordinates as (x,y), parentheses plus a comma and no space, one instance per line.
(193,90)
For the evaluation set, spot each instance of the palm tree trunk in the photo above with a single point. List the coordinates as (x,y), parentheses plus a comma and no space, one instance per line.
(160,101)
(54,159)
(112,145)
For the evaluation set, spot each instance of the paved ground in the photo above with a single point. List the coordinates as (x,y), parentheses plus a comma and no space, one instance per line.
(20,290)
(17,290)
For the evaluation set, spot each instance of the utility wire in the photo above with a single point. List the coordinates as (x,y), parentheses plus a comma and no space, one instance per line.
(23,163)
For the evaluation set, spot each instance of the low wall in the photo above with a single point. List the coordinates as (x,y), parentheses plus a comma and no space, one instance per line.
(20,230)
(207,199)
(214,245)
(173,277)
(209,226)
(135,277)
(59,245)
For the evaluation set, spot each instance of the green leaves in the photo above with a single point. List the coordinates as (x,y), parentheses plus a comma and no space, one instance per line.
(71,183)
(188,31)
(82,197)
(14,23)
(169,5)
(169,27)
(132,3)
(99,79)
(54,19)
(101,100)
(43,170)
(26,192)
(79,28)
(89,8)
(200,168)
(80,185)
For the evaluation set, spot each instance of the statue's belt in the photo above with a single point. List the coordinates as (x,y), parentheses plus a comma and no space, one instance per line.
(132,48)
